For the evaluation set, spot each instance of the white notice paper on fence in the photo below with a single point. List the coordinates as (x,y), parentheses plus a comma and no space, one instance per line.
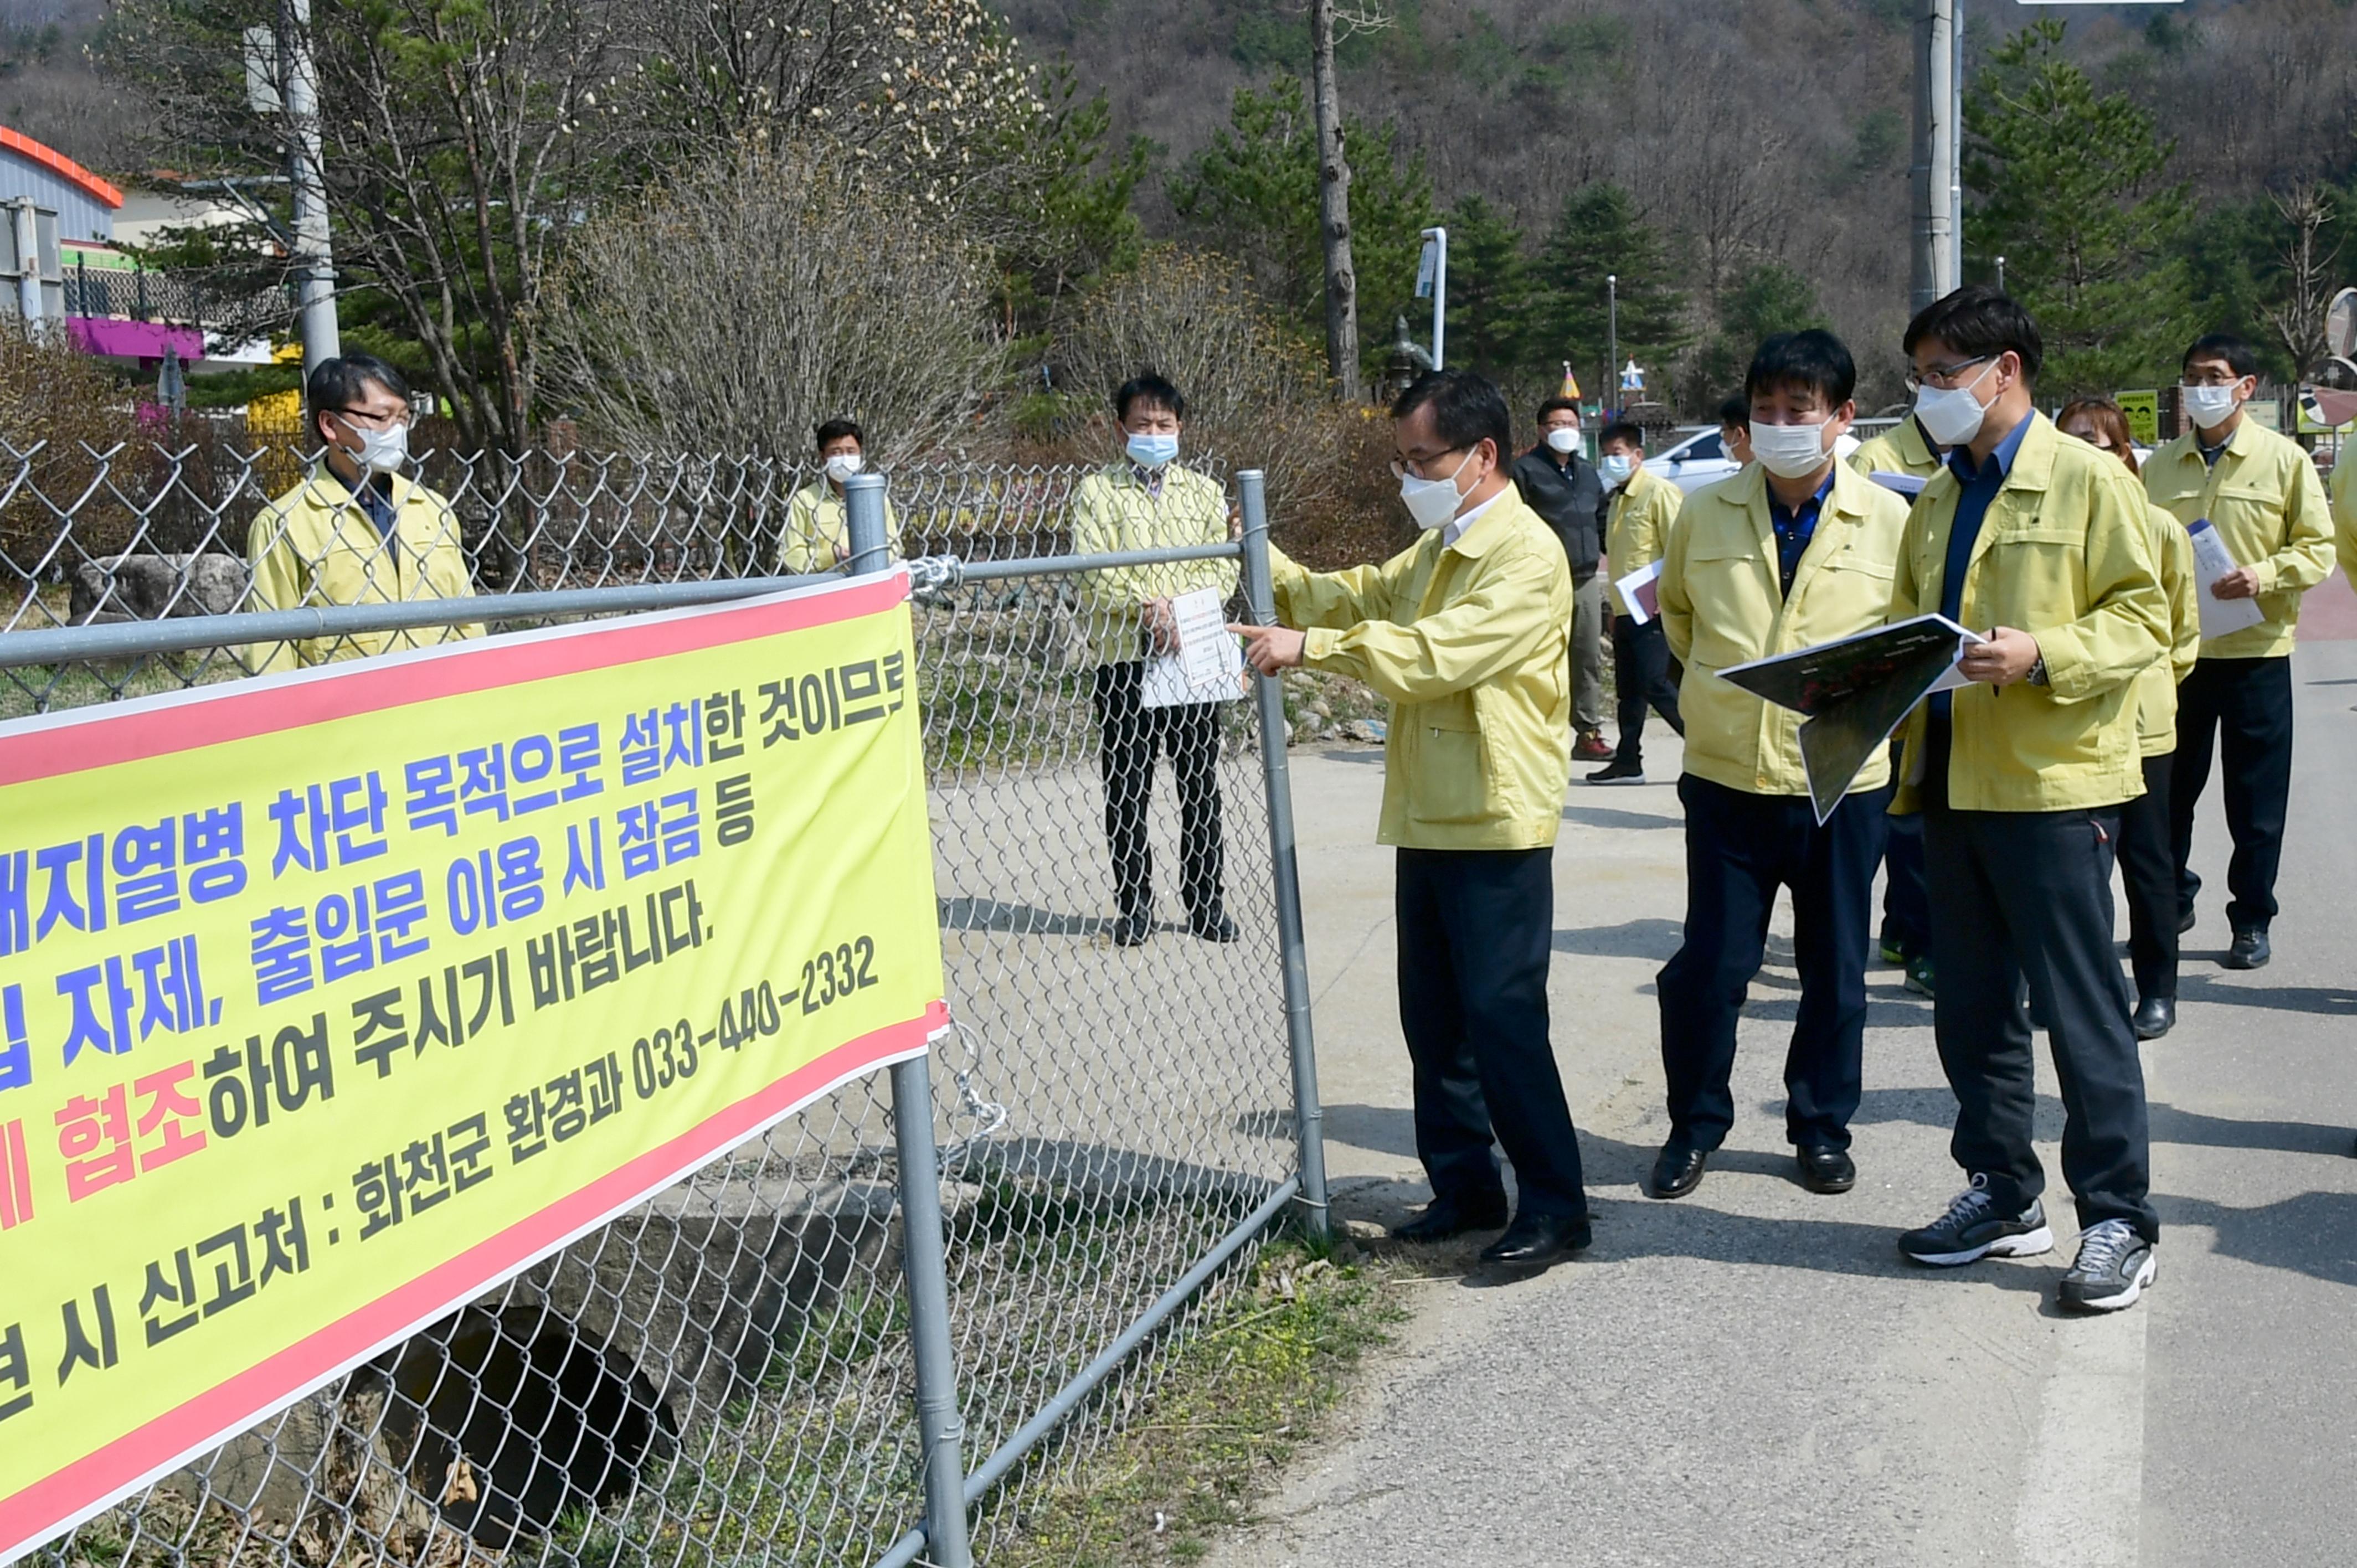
(2210,562)
(1210,665)
(1639,593)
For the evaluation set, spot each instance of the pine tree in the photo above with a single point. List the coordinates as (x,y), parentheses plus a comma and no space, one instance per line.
(1598,235)
(1489,291)
(2071,195)
(1761,301)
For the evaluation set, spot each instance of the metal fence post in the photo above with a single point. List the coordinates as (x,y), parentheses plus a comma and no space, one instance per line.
(923,1254)
(1308,1116)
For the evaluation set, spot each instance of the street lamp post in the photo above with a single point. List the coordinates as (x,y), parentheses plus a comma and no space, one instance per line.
(2000,274)
(1611,334)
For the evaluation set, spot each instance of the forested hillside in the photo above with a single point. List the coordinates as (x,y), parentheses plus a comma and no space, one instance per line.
(1740,165)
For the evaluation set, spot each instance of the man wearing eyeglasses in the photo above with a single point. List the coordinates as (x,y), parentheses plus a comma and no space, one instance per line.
(1465,633)
(356,532)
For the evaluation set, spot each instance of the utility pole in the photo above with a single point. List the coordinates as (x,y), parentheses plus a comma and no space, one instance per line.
(1933,175)
(1334,208)
(1611,339)
(315,265)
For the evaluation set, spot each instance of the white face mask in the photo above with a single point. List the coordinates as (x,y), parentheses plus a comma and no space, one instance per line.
(1564,441)
(2208,407)
(1615,469)
(1790,451)
(1433,503)
(381,451)
(843,464)
(1951,415)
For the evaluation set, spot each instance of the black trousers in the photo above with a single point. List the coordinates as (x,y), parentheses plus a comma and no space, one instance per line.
(1475,932)
(2016,896)
(1640,675)
(1132,736)
(1740,849)
(1906,907)
(2148,872)
(2244,704)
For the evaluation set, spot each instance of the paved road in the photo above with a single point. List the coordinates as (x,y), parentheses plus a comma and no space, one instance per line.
(1751,1375)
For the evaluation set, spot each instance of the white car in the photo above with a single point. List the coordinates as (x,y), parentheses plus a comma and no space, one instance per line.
(1698,460)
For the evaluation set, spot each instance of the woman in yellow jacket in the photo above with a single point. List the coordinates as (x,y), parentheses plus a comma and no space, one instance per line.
(2147,865)
(1466,632)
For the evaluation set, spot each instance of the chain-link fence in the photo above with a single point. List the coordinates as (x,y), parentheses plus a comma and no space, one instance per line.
(731,1372)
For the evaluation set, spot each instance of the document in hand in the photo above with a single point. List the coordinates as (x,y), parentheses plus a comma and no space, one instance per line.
(1210,665)
(1907,485)
(1640,592)
(1852,692)
(2212,561)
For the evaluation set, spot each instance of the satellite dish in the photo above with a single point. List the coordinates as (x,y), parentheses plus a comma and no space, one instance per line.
(2341,325)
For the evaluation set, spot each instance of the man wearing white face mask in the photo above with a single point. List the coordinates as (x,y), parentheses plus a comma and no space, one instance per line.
(1146,500)
(2261,493)
(1641,514)
(1794,551)
(1562,486)
(818,523)
(1464,632)
(356,530)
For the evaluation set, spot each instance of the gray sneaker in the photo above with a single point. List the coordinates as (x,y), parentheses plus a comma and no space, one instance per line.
(2114,1265)
(1975,1228)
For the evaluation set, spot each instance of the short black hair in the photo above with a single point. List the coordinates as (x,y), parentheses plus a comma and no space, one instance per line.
(1148,387)
(1814,360)
(1736,410)
(1465,409)
(336,382)
(1628,433)
(1554,404)
(1980,323)
(836,429)
(2240,356)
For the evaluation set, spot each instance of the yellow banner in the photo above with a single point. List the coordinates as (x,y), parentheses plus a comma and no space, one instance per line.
(2143,411)
(332,999)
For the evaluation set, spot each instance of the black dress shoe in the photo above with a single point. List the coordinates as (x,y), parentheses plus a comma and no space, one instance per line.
(2185,921)
(1447,1217)
(1678,1170)
(1538,1240)
(2250,950)
(1827,1169)
(1212,925)
(2155,1016)
(1133,931)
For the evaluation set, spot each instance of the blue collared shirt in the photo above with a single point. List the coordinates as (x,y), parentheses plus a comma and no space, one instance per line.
(374,502)
(1794,529)
(1981,483)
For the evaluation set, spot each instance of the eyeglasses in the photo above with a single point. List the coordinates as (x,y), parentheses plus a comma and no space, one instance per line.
(1414,466)
(400,418)
(1943,378)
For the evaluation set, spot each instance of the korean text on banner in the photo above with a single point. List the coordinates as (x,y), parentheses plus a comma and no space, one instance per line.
(332,999)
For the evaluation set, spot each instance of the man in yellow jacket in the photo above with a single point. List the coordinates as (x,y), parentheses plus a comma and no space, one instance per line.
(817,535)
(2344,509)
(1146,500)
(2020,775)
(1794,551)
(2259,490)
(1464,634)
(356,532)
(1643,511)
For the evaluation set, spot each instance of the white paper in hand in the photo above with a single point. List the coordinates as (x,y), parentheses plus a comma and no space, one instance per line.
(1639,593)
(2212,561)
(1210,665)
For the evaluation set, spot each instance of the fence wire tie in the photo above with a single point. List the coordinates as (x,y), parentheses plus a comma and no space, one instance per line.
(930,575)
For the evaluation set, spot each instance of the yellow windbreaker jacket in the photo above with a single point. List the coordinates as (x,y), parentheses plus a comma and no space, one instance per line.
(2064,553)
(317,545)
(1636,529)
(2268,507)
(2156,689)
(1723,603)
(1470,643)
(1113,511)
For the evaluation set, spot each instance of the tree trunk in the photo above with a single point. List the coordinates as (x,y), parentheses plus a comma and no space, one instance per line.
(1334,209)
